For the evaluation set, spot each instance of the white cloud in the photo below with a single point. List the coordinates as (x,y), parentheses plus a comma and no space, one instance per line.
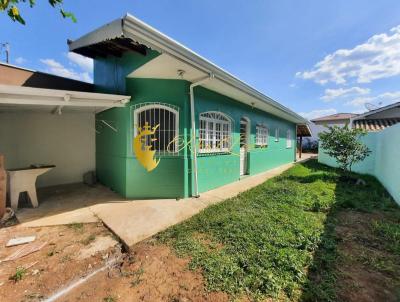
(318,113)
(20,60)
(54,67)
(382,99)
(84,63)
(377,58)
(360,102)
(390,95)
(331,94)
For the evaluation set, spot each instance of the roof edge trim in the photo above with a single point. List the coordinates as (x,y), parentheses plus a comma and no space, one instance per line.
(131,27)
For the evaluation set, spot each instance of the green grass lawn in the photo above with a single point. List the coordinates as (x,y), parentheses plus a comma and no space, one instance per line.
(279,239)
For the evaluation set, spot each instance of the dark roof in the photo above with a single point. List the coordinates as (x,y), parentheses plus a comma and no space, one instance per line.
(303,130)
(375,124)
(335,117)
(115,47)
(371,112)
(19,76)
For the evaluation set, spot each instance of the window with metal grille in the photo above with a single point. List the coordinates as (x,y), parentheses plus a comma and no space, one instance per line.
(289,139)
(214,132)
(261,136)
(165,120)
(277,134)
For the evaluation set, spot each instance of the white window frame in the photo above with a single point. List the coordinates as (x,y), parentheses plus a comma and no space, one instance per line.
(262,135)
(289,138)
(140,108)
(277,134)
(211,139)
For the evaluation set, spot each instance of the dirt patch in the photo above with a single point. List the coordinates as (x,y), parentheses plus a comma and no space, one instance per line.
(367,272)
(151,272)
(55,265)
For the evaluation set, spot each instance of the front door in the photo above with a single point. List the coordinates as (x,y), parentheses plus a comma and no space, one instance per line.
(244,127)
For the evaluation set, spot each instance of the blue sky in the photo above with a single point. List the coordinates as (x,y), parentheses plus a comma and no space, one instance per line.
(316,57)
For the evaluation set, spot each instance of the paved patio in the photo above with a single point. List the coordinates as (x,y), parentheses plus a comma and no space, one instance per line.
(131,220)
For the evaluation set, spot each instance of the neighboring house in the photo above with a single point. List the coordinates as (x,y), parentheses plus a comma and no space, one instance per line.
(209,127)
(338,119)
(320,124)
(378,119)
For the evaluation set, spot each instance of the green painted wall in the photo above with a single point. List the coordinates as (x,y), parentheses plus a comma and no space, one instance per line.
(216,170)
(383,162)
(112,148)
(116,163)
(169,178)
(387,164)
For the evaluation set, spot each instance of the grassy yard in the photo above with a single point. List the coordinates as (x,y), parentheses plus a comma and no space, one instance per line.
(302,236)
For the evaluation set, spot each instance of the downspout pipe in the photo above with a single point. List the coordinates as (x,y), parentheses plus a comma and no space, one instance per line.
(193,127)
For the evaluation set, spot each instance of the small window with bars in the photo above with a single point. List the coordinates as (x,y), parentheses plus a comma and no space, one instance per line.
(289,139)
(261,136)
(164,120)
(214,133)
(277,134)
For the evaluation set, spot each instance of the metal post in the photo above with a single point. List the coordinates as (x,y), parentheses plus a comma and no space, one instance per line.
(301,146)
(3,186)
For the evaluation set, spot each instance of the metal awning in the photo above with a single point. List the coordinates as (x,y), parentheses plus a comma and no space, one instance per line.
(13,98)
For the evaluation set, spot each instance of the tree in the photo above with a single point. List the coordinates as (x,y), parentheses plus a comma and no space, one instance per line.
(343,144)
(11,7)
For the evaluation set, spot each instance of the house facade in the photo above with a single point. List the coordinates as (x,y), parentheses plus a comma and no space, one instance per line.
(320,124)
(190,126)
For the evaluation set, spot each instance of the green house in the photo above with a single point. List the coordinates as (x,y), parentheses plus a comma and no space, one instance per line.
(208,127)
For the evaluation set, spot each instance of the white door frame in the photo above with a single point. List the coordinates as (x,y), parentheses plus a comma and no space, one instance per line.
(244,150)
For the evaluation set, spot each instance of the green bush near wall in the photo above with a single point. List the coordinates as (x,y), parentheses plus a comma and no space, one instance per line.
(383,162)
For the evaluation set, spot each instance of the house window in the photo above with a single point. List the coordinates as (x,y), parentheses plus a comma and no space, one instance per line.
(277,134)
(214,132)
(164,119)
(289,139)
(261,136)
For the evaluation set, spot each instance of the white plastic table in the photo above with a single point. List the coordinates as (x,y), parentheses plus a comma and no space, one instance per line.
(24,180)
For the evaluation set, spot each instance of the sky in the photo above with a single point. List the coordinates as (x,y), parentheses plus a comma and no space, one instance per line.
(315,57)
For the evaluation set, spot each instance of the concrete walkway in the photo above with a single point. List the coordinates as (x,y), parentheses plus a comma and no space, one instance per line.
(133,221)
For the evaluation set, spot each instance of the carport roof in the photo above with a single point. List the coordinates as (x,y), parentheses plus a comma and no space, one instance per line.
(14,98)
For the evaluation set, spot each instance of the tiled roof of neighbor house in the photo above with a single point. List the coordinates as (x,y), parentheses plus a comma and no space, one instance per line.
(375,124)
(335,117)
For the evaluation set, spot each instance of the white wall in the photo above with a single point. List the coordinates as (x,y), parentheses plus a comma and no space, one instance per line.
(67,141)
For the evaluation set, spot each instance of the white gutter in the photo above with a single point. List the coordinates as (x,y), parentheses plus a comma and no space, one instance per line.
(193,128)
